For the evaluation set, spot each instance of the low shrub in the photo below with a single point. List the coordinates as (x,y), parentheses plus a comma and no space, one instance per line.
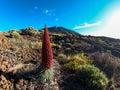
(76,61)
(112,87)
(46,76)
(61,55)
(58,34)
(54,44)
(39,44)
(92,77)
(112,84)
(31,31)
(14,34)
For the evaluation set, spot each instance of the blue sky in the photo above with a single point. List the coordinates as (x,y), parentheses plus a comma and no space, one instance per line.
(89,17)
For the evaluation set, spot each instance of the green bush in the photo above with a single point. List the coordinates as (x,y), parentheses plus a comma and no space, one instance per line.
(14,34)
(39,44)
(76,61)
(112,87)
(46,76)
(112,84)
(54,44)
(61,55)
(31,31)
(92,78)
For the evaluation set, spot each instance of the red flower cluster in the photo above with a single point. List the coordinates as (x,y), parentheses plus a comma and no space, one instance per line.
(47,54)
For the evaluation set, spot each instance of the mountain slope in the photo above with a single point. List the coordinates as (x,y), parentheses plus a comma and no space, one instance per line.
(23,52)
(104,51)
(88,44)
(57,29)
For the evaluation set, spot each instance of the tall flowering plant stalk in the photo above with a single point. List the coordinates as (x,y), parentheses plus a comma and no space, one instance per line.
(47,53)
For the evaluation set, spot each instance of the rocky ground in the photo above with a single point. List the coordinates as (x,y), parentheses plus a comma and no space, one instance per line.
(20,59)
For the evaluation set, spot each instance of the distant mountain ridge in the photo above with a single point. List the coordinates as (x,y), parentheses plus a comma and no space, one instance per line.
(59,29)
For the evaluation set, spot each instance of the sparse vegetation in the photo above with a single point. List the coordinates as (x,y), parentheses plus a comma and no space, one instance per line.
(31,31)
(20,60)
(58,34)
(14,34)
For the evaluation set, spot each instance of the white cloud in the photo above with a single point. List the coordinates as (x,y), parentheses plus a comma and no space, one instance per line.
(46,11)
(87,25)
(49,12)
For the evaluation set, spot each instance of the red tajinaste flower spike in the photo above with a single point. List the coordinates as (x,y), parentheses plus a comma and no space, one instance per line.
(47,53)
